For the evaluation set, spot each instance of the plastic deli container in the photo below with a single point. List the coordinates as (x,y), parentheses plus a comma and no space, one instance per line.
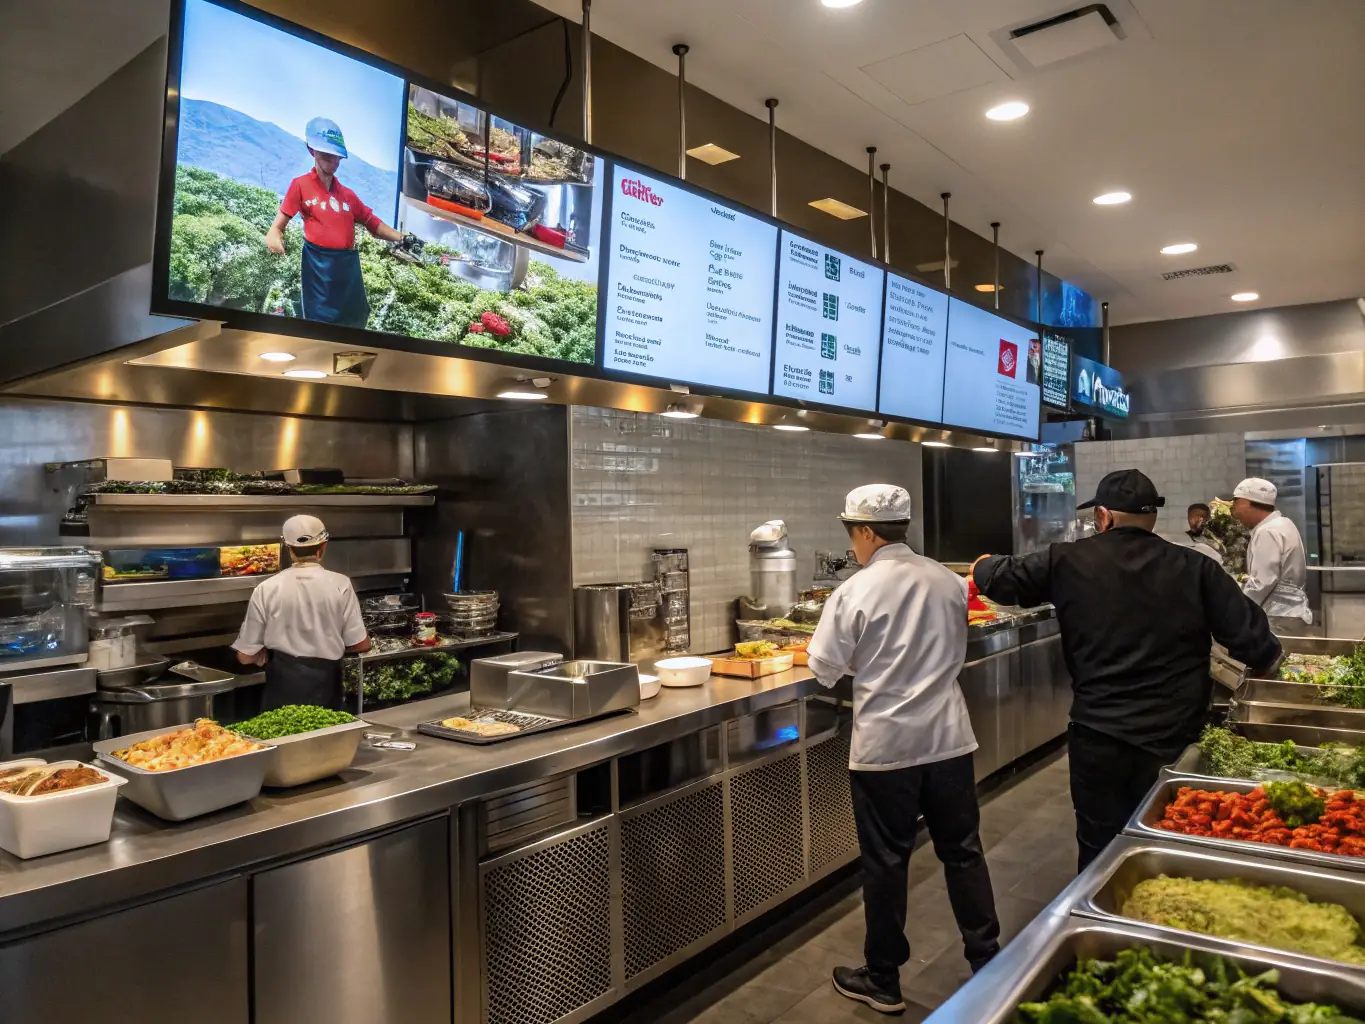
(32,826)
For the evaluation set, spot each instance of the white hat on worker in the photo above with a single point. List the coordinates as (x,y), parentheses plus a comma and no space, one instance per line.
(1253,488)
(304,531)
(877,503)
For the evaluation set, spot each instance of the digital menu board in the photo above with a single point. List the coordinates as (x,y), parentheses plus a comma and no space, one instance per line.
(992,373)
(1056,370)
(829,311)
(914,345)
(689,286)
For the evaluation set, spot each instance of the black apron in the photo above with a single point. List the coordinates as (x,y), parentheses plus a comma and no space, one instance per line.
(291,680)
(333,287)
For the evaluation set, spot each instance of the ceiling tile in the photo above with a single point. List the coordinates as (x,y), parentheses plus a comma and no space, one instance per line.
(936,70)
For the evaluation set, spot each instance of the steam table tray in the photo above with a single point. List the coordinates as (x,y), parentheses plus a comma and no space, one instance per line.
(529,724)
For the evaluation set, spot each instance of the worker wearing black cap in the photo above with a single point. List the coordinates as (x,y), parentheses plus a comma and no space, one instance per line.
(1138,615)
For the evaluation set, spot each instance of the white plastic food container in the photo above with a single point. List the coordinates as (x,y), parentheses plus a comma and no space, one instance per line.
(649,686)
(683,671)
(32,826)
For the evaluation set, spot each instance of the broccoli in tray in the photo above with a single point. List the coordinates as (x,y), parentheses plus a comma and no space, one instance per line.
(402,678)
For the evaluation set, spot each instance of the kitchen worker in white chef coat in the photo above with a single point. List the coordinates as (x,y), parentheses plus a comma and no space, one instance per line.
(1277,568)
(300,623)
(899,628)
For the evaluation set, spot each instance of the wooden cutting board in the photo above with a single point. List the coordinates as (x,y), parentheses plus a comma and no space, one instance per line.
(752,668)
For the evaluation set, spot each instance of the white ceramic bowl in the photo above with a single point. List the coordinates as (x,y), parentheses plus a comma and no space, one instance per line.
(683,671)
(649,686)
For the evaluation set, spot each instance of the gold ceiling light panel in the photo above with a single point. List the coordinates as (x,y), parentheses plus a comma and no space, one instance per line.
(712,154)
(837,209)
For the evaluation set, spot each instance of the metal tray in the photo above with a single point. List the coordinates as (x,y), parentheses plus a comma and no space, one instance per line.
(1142,825)
(183,793)
(993,996)
(1191,762)
(1260,712)
(529,724)
(1139,862)
(309,756)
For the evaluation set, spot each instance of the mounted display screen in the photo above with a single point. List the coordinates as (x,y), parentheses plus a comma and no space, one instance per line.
(992,373)
(1056,372)
(689,287)
(294,191)
(914,347)
(829,311)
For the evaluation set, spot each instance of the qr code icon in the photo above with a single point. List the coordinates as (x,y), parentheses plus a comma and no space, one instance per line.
(826,382)
(829,346)
(832,264)
(831,306)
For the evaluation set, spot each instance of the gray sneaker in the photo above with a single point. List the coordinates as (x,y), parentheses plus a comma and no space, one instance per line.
(859,984)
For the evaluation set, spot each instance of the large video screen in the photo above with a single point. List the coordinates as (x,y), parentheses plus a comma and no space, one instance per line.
(689,286)
(829,314)
(324,188)
(914,348)
(993,373)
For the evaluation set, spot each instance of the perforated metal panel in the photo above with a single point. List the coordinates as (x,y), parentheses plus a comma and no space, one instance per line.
(833,838)
(765,814)
(673,877)
(547,931)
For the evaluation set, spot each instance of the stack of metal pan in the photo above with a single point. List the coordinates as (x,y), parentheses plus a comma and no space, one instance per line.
(1310,714)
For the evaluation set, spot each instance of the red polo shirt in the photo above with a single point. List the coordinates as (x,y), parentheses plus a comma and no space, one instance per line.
(329,217)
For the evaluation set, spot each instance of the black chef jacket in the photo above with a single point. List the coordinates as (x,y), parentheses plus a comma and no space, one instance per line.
(1136,615)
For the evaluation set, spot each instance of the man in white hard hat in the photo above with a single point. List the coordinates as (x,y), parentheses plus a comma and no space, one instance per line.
(899,628)
(1277,568)
(301,622)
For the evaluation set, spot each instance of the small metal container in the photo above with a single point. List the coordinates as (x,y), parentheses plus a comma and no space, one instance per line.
(310,756)
(183,793)
(488,676)
(575,689)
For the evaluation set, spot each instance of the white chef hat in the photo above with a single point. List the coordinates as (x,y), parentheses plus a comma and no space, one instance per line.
(304,531)
(1253,488)
(877,503)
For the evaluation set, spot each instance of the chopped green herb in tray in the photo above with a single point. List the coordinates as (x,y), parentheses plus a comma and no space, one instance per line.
(1139,987)
(1230,756)
(291,720)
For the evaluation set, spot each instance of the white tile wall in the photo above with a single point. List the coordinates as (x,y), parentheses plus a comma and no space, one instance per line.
(641,481)
(1185,470)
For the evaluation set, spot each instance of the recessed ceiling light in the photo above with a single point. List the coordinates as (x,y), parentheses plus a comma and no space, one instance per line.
(837,209)
(712,154)
(1179,249)
(871,437)
(278,357)
(988,287)
(1010,111)
(935,444)
(1246,296)
(841,3)
(790,426)
(986,448)
(1112,198)
(306,374)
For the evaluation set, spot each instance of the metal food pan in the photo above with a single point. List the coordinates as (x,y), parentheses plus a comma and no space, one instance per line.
(1105,897)
(1260,712)
(1191,762)
(1142,825)
(308,756)
(993,996)
(530,724)
(183,793)
(1302,735)
(1294,693)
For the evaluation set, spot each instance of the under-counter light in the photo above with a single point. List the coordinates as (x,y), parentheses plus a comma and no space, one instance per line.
(837,209)
(988,287)
(712,154)
(522,395)
(869,436)
(841,3)
(936,444)
(790,426)
(278,357)
(1246,296)
(679,412)
(986,448)
(1112,198)
(1178,249)
(1010,111)
(306,374)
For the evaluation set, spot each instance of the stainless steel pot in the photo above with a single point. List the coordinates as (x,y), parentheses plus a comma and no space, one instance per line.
(138,709)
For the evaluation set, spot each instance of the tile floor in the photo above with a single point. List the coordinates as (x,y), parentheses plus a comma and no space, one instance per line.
(1029,834)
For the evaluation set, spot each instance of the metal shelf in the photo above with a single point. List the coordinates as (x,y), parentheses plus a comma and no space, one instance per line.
(515,237)
(158,502)
(370,657)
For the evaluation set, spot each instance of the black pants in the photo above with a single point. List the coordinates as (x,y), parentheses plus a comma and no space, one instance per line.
(291,680)
(1109,778)
(885,808)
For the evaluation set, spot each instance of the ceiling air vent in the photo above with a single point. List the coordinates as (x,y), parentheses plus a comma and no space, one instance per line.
(1070,34)
(1217,268)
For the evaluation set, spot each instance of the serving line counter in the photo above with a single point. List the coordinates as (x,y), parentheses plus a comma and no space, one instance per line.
(529,881)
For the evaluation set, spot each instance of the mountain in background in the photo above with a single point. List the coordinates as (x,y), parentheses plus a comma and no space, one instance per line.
(226,141)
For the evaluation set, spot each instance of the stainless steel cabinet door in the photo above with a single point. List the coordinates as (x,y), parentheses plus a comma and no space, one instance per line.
(360,936)
(178,959)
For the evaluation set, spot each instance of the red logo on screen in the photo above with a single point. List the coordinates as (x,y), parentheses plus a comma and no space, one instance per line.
(637,189)
(1009,358)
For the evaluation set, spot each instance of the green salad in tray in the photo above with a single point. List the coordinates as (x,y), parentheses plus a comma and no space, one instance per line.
(1342,677)
(1141,987)
(1229,756)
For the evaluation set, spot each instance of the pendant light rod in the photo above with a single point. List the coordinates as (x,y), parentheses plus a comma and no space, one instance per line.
(587,71)
(771,104)
(995,234)
(947,244)
(886,214)
(681,50)
(1039,254)
(872,197)
(1104,313)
